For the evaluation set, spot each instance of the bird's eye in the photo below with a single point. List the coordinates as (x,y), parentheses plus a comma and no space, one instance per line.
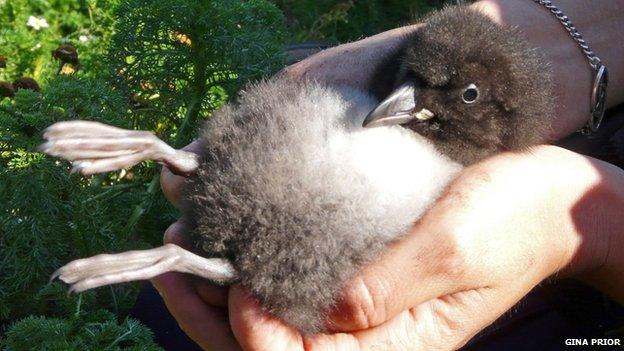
(470,95)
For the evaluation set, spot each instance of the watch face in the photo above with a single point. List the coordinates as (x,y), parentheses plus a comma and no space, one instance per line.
(599,98)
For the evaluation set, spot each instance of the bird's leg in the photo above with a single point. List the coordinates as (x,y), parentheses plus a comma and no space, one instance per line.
(94,147)
(105,269)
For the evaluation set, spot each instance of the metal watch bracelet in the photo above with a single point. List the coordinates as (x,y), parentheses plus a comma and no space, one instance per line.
(601,79)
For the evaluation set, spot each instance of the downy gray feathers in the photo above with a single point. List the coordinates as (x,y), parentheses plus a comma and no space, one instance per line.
(299,196)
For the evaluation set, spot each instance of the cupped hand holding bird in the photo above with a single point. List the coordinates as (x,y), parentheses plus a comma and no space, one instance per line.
(503,226)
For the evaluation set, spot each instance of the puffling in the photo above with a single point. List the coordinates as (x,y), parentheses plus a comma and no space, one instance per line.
(289,197)
(471,86)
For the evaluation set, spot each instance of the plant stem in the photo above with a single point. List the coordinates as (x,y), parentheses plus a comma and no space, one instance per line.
(115,189)
(120,338)
(199,92)
(78,305)
(140,209)
(90,10)
(114,296)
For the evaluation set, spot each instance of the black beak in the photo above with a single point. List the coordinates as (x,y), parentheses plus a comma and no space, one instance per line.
(398,108)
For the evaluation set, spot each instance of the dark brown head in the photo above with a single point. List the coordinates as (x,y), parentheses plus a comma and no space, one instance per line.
(471,86)
(2,61)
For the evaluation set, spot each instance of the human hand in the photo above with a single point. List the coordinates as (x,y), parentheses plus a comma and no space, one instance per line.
(358,64)
(502,227)
(199,306)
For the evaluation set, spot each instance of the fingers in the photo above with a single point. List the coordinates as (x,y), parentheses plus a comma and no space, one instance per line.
(207,325)
(171,183)
(171,186)
(431,266)
(178,234)
(257,330)
(211,294)
(353,64)
(197,305)
(445,323)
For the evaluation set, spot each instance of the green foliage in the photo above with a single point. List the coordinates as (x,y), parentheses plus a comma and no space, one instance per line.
(85,24)
(49,216)
(184,58)
(345,20)
(95,331)
(171,65)
(64,98)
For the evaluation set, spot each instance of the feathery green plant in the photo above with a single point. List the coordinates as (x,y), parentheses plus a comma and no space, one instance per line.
(96,331)
(184,58)
(170,65)
(339,21)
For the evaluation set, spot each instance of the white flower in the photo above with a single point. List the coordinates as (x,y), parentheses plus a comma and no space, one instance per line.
(36,47)
(83,38)
(37,23)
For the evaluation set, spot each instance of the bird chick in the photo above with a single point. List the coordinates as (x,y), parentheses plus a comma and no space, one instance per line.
(470,86)
(289,197)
